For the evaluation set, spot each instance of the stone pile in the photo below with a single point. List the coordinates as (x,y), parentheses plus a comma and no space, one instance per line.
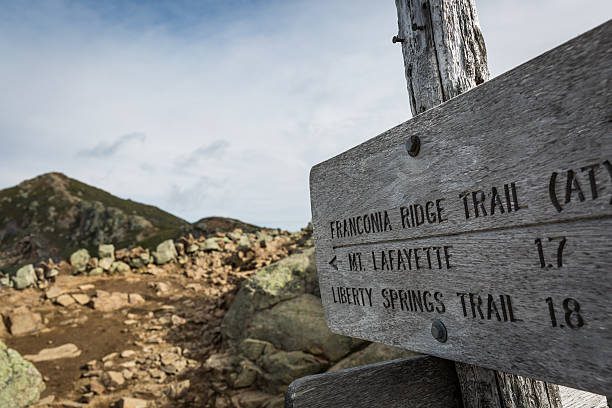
(235,249)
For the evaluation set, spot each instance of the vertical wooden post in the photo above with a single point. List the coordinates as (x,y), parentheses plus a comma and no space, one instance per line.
(444,56)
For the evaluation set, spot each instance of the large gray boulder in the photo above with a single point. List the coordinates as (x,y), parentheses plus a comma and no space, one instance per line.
(284,280)
(20,382)
(299,324)
(165,252)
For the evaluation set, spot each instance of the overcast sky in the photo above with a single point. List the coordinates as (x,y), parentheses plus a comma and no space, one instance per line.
(222,107)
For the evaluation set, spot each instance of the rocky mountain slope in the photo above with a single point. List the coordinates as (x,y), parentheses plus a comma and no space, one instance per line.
(52,214)
(224,315)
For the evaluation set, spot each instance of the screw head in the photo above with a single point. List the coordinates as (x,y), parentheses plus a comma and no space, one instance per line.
(413,145)
(438,331)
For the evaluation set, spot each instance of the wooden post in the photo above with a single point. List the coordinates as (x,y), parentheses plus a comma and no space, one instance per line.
(444,56)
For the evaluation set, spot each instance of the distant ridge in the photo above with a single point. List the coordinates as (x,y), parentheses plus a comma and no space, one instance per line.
(52,214)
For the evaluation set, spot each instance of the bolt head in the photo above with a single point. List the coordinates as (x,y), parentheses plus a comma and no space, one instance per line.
(438,331)
(413,145)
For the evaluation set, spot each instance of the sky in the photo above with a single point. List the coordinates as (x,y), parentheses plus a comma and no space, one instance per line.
(220,108)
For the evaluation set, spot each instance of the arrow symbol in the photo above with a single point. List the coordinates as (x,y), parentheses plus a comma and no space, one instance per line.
(333,263)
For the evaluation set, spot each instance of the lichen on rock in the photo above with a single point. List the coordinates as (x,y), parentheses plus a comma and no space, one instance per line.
(20,382)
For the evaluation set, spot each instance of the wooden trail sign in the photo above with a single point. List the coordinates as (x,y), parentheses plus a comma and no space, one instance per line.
(413,382)
(492,246)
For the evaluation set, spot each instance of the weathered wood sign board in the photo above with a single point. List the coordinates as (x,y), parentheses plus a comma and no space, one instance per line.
(499,229)
(413,382)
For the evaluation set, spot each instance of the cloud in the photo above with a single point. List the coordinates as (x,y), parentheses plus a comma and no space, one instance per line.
(105,149)
(215,150)
(237,101)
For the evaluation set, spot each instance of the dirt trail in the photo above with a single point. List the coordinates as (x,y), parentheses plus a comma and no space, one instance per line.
(152,349)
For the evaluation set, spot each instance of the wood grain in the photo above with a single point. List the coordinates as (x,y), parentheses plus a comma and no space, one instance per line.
(549,116)
(444,50)
(420,381)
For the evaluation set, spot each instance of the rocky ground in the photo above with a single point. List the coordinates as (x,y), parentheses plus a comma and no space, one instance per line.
(215,321)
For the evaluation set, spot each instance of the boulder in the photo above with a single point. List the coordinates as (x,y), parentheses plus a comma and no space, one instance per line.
(299,324)
(20,383)
(119,267)
(289,278)
(79,260)
(373,353)
(210,245)
(25,277)
(106,251)
(21,321)
(105,263)
(283,367)
(165,252)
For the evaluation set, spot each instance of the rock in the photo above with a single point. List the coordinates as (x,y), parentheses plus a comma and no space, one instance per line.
(106,251)
(192,248)
(20,383)
(283,367)
(221,402)
(5,280)
(96,271)
(79,260)
(106,302)
(220,364)
(165,252)
(210,245)
(135,299)
(127,353)
(122,254)
(93,263)
(22,321)
(177,320)
(53,292)
(178,390)
(65,300)
(113,379)
(51,273)
(126,402)
(252,348)
(373,353)
(119,267)
(44,402)
(162,287)
(25,277)
(105,263)
(87,286)
(247,374)
(66,351)
(251,399)
(81,298)
(96,386)
(283,280)
(299,325)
